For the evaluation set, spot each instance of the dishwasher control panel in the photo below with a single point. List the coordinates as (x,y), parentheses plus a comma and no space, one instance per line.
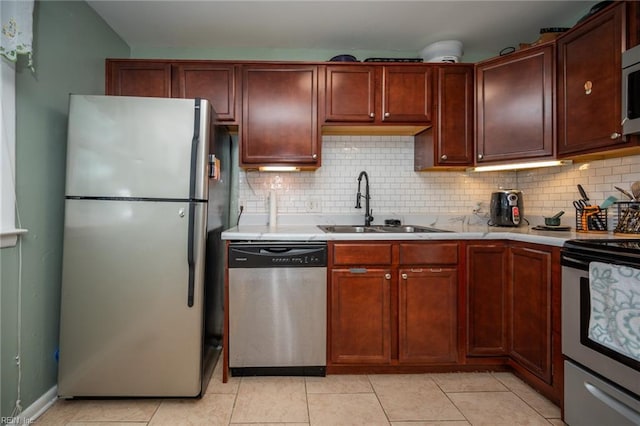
(274,255)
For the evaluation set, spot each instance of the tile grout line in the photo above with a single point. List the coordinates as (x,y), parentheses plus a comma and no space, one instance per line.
(450,400)
(525,401)
(386,415)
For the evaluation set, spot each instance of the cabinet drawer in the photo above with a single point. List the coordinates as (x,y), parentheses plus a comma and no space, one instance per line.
(429,253)
(361,254)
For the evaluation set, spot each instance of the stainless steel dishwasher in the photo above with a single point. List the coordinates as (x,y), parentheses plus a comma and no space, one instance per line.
(277,308)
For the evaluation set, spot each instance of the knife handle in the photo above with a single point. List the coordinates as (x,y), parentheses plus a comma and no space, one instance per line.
(583,193)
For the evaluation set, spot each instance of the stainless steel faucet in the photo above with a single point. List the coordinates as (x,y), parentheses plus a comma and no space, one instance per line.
(368,218)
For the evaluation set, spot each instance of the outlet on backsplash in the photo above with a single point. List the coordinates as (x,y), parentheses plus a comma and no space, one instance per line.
(312,205)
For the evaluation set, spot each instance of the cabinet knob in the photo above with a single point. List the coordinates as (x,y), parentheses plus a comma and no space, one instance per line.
(371,115)
(387,276)
(480,156)
(405,276)
(314,156)
(588,86)
(386,114)
(443,157)
(615,135)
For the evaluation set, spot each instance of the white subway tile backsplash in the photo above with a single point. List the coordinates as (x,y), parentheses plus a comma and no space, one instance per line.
(397,189)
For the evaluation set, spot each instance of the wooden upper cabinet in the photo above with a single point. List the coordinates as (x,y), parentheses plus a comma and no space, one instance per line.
(280,116)
(449,141)
(350,93)
(589,84)
(375,94)
(406,94)
(138,78)
(212,81)
(515,106)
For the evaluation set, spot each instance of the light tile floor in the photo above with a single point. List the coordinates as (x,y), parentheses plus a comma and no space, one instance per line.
(453,399)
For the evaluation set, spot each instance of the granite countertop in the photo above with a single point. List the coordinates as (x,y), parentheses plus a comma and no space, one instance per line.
(457,231)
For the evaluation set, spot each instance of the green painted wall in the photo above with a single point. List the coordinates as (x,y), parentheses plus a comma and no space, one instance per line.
(262,54)
(70,42)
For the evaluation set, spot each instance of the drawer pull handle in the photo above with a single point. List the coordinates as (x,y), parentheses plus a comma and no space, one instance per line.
(358,270)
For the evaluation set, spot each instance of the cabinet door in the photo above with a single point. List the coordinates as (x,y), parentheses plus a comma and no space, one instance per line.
(214,82)
(589,86)
(406,94)
(360,316)
(428,316)
(350,93)
(449,141)
(279,116)
(515,106)
(138,78)
(486,292)
(530,301)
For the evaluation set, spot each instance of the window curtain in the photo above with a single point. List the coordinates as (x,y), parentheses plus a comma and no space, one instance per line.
(17,29)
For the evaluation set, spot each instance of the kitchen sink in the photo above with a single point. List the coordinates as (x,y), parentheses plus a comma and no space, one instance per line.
(403,229)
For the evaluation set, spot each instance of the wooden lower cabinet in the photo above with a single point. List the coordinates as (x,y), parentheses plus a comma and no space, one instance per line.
(404,307)
(530,309)
(534,293)
(428,323)
(393,304)
(360,316)
(487,265)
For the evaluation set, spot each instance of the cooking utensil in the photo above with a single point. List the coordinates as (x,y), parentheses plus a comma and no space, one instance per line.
(551,228)
(579,204)
(635,190)
(553,220)
(583,194)
(625,192)
(608,202)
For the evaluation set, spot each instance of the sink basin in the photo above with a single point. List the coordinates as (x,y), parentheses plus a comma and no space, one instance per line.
(403,229)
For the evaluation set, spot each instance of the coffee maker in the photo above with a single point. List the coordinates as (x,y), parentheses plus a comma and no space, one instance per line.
(506,208)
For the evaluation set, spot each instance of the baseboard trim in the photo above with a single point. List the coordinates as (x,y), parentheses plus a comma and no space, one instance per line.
(39,406)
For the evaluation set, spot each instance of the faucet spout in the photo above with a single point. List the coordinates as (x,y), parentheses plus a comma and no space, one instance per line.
(368,217)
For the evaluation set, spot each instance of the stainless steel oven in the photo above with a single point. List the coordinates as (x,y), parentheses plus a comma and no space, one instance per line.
(601,332)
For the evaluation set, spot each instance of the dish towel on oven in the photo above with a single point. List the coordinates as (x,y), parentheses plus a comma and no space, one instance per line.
(615,308)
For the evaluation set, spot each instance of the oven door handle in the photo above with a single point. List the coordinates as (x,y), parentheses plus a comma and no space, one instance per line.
(612,402)
(572,262)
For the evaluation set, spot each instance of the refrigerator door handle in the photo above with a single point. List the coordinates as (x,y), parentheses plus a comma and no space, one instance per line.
(190,254)
(192,212)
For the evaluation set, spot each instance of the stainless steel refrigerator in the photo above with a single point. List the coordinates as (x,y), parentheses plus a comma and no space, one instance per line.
(138,226)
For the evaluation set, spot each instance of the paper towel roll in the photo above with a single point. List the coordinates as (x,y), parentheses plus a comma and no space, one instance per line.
(273,209)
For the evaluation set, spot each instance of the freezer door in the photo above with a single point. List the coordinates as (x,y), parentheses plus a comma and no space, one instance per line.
(126,326)
(119,146)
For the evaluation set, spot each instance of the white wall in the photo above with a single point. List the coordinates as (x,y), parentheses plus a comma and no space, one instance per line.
(396,189)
